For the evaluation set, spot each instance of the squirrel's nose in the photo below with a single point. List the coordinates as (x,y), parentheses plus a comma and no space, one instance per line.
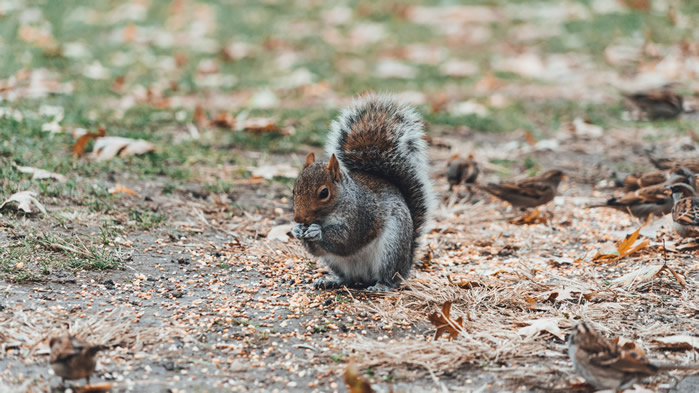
(300,218)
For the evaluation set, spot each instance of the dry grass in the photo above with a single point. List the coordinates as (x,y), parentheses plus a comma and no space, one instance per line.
(30,330)
(495,309)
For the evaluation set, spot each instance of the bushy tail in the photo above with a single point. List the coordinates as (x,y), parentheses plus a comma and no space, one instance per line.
(382,137)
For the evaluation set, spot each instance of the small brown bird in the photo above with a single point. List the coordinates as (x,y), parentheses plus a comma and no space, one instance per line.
(461,170)
(531,192)
(635,181)
(72,358)
(661,103)
(667,163)
(653,200)
(685,213)
(605,364)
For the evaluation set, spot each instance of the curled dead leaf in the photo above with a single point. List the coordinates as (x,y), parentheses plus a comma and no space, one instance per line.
(259,125)
(549,325)
(25,200)
(623,249)
(647,273)
(109,147)
(118,188)
(81,143)
(530,219)
(679,342)
(200,117)
(223,120)
(443,322)
(38,174)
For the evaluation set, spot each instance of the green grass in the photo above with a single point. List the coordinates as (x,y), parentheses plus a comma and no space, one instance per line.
(34,256)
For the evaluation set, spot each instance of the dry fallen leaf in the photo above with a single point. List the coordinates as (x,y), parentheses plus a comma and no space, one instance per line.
(678,342)
(118,188)
(109,146)
(624,248)
(549,325)
(201,119)
(41,173)
(355,383)
(259,125)
(531,302)
(81,143)
(25,200)
(532,218)
(647,273)
(223,120)
(95,388)
(280,232)
(443,322)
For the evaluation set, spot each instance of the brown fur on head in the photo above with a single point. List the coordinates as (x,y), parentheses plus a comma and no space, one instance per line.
(554,176)
(316,189)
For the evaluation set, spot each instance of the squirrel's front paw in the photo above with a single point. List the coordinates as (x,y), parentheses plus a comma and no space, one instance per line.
(298,230)
(322,283)
(313,233)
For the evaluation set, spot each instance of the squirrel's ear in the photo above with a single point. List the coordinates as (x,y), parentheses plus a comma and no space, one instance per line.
(310,159)
(334,167)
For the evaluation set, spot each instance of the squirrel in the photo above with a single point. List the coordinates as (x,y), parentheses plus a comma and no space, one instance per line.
(363,211)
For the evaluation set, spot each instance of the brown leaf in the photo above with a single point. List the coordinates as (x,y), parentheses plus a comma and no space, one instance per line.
(678,342)
(624,248)
(531,302)
(529,137)
(355,383)
(118,188)
(640,5)
(201,119)
(95,388)
(552,297)
(467,284)
(118,84)
(443,322)
(81,143)
(532,218)
(224,120)
(259,125)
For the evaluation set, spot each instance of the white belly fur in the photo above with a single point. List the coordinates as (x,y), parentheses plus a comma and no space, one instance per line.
(365,265)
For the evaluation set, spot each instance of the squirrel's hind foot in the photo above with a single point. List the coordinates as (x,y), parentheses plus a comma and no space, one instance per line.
(380,287)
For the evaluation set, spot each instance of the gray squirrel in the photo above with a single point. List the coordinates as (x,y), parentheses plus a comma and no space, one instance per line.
(363,211)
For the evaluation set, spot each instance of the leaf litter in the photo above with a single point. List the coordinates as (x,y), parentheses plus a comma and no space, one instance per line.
(504,277)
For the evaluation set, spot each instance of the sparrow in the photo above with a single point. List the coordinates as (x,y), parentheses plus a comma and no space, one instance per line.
(661,103)
(635,181)
(685,212)
(655,200)
(531,192)
(666,163)
(72,358)
(461,170)
(605,364)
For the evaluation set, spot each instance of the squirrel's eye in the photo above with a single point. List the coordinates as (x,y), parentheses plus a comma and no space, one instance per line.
(324,193)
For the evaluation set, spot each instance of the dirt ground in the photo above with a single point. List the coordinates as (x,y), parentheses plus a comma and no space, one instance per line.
(208,303)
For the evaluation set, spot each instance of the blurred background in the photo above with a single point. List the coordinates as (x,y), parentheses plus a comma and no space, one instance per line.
(493,66)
